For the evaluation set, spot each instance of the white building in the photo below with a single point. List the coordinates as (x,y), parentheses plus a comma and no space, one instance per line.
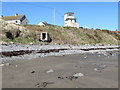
(41,23)
(17,19)
(70,20)
(44,24)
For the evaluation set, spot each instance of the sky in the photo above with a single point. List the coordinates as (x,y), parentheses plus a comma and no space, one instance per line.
(101,15)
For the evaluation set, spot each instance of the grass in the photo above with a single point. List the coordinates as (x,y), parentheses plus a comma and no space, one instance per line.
(62,35)
(20,40)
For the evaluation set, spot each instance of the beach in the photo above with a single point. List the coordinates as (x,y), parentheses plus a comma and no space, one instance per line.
(85,70)
(59,45)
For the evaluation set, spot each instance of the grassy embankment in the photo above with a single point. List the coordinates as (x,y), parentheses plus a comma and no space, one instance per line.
(61,35)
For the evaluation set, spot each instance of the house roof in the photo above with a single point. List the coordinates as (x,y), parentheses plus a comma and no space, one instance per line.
(117,32)
(45,23)
(7,18)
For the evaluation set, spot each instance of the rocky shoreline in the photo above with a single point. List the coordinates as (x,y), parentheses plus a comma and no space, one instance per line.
(14,51)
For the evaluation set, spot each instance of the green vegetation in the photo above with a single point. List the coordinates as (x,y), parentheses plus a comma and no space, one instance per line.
(62,35)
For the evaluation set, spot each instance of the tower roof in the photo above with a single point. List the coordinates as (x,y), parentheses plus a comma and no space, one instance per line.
(69,13)
(70,18)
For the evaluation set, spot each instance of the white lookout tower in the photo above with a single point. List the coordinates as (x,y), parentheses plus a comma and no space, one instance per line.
(70,20)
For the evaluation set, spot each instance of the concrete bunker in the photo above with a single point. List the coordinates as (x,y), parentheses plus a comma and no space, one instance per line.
(45,37)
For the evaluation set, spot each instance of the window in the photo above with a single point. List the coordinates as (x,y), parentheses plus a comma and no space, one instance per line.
(75,20)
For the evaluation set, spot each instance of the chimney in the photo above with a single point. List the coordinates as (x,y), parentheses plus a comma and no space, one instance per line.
(1,16)
(16,14)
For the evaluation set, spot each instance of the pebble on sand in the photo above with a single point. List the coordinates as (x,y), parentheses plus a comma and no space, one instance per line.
(78,75)
(5,64)
(33,72)
(16,65)
(50,71)
(99,68)
(1,65)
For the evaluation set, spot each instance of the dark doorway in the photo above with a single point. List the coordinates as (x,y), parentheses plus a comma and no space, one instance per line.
(43,35)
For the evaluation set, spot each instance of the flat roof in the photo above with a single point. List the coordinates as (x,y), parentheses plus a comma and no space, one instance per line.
(71,18)
(69,13)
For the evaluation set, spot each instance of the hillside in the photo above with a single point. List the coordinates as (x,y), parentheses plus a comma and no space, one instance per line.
(60,35)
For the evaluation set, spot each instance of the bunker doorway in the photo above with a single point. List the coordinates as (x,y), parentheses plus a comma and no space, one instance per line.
(45,37)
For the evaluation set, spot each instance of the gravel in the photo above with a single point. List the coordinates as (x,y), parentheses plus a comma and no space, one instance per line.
(70,49)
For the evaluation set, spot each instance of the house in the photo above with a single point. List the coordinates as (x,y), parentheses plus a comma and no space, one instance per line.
(70,20)
(17,19)
(118,32)
(45,24)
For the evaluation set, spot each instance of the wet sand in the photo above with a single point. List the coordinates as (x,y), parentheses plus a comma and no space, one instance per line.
(33,73)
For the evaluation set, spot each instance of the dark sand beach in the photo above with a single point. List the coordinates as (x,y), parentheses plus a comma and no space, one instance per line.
(58,71)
